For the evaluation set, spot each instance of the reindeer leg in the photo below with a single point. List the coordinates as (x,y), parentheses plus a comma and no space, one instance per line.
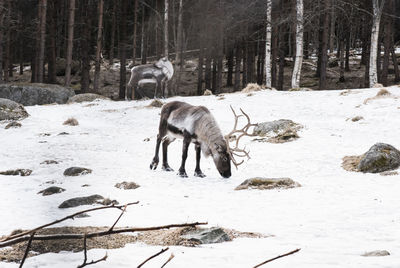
(197,171)
(186,142)
(165,165)
(155,161)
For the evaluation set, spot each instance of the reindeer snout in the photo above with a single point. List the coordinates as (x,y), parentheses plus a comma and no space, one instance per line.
(226,174)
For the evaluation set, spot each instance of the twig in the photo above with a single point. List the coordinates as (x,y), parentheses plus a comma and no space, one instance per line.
(96,234)
(85,263)
(151,257)
(169,259)
(280,256)
(63,219)
(27,250)
(122,212)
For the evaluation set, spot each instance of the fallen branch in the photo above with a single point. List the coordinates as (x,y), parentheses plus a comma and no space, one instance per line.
(27,250)
(280,256)
(151,257)
(169,259)
(85,263)
(11,237)
(96,234)
(122,213)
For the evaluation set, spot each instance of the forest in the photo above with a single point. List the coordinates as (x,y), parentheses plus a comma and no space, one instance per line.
(216,45)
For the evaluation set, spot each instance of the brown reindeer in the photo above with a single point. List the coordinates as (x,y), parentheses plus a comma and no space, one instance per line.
(196,124)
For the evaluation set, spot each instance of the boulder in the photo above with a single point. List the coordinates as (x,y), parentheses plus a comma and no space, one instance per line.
(13,124)
(126,185)
(10,110)
(278,131)
(81,201)
(268,183)
(35,93)
(61,63)
(380,157)
(77,171)
(16,172)
(207,236)
(51,190)
(376,253)
(86,97)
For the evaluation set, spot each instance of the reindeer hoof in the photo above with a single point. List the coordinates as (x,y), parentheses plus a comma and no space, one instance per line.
(182,174)
(167,168)
(199,174)
(153,165)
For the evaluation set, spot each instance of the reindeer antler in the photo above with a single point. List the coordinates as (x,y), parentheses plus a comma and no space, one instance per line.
(236,151)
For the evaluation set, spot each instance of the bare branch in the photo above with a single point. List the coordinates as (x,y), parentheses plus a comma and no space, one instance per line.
(151,257)
(280,256)
(27,250)
(72,216)
(169,259)
(122,212)
(96,234)
(85,263)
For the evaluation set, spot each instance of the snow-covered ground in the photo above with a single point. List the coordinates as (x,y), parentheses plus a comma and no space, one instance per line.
(334,217)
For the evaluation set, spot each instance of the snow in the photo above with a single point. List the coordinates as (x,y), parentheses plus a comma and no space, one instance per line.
(334,217)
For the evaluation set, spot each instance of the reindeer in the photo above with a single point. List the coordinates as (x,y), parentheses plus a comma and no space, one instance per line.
(196,124)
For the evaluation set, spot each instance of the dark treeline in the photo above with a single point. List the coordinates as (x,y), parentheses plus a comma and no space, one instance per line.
(226,37)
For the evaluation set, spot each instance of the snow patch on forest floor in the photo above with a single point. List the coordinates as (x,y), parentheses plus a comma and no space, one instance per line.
(335,216)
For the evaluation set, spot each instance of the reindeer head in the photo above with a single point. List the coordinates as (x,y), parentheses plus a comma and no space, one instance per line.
(166,66)
(222,159)
(236,151)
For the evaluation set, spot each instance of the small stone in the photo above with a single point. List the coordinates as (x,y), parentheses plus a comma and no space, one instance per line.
(71,122)
(83,215)
(51,190)
(376,253)
(357,118)
(77,171)
(13,124)
(207,236)
(146,139)
(268,183)
(108,202)
(126,185)
(63,133)
(81,201)
(16,172)
(85,185)
(49,162)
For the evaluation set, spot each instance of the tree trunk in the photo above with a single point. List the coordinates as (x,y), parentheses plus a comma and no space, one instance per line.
(7,54)
(179,43)
(143,37)
(229,79)
(214,75)
(135,14)
(1,39)
(387,42)
(96,80)
(395,63)
(238,59)
(332,28)
(347,62)
(113,30)
(122,50)
(245,60)
(207,76)
(268,75)
(70,45)
(299,45)
(324,46)
(342,61)
(200,70)
(166,40)
(85,26)
(51,72)
(377,12)
(43,7)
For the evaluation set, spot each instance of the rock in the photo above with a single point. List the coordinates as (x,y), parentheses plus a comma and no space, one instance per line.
(71,122)
(13,124)
(156,103)
(376,253)
(278,131)
(333,63)
(81,201)
(267,183)
(63,133)
(207,92)
(10,110)
(357,118)
(61,63)
(126,185)
(35,93)
(207,236)
(51,190)
(16,172)
(77,171)
(108,202)
(49,162)
(86,97)
(251,87)
(380,157)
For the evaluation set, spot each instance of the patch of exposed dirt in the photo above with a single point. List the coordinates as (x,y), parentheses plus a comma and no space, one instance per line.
(350,163)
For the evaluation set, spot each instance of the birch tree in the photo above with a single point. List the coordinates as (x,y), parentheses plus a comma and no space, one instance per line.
(98,48)
(377,6)
(299,45)
(268,81)
(71,20)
